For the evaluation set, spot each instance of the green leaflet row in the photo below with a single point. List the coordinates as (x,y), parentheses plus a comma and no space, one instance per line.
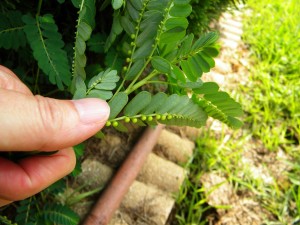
(146,108)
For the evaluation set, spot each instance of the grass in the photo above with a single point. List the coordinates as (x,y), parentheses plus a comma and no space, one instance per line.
(270,100)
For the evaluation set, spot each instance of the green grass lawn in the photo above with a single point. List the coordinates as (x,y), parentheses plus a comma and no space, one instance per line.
(271,101)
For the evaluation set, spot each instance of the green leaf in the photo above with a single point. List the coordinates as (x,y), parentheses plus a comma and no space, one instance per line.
(59,214)
(105,95)
(186,45)
(121,127)
(187,71)
(114,60)
(220,105)
(196,68)
(234,123)
(135,69)
(143,51)
(204,66)
(47,49)
(116,4)
(115,30)
(85,25)
(100,86)
(183,102)
(117,103)
(191,85)
(156,102)
(147,34)
(173,35)
(181,2)
(96,43)
(151,19)
(176,22)
(127,25)
(211,51)
(12,35)
(138,103)
(134,13)
(207,88)
(205,40)
(178,74)
(80,88)
(137,4)
(167,106)
(160,64)
(181,10)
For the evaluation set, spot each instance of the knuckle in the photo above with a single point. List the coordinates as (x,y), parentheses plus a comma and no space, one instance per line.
(51,115)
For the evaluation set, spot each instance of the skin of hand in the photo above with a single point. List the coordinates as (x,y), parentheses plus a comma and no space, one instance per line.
(31,122)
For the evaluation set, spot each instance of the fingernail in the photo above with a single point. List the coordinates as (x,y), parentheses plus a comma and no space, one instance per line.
(92,110)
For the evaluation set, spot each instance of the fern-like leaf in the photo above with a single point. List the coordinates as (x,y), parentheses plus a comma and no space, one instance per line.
(85,25)
(47,45)
(59,214)
(12,35)
(161,108)
(219,105)
(25,210)
(100,86)
(141,21)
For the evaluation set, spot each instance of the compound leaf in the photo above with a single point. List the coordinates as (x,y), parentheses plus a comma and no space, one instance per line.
(85,24)
(59,214)
(46,48)
(117,103)
(138,103)
(12,35)
(160,64)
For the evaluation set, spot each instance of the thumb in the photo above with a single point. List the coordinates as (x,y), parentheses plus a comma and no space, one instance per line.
(38,123)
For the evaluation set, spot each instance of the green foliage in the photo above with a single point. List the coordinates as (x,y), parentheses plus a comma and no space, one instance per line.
(46,43)
(12,30)
(219,105)
(160,108)
(5,221)
(59,214)
(274,81)
(206,11)
(135,54)
(40,210)
(85,25)
(147,46)
(100,86)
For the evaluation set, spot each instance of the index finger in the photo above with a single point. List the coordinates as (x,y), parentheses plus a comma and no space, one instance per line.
(10,81)
(32,175)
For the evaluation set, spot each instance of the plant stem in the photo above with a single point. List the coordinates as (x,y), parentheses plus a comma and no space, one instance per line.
(39,7)
(132,87)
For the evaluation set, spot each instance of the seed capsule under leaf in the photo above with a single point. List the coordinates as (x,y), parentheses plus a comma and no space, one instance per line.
(163,117)
(115,124)
(150,118)
(127,119)
(169,117)
(143,118)
(134,120)
(108,123)
(158,117)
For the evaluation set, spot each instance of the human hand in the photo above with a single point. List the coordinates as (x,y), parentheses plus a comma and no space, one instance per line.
(30,123)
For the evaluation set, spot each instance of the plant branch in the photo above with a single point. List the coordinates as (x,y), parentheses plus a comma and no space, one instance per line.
(39,8)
